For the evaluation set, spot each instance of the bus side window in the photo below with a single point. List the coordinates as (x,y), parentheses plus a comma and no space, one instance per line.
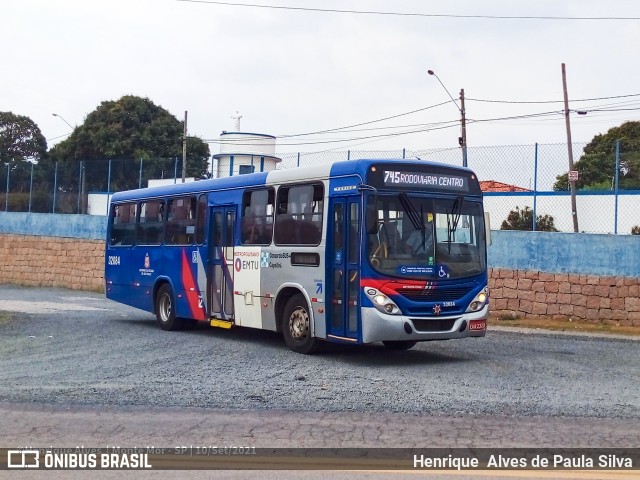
(299,215)
(354,240)
(257,216)
(217,229)
(150,227)
(201,216)
(123,225)
(180,227)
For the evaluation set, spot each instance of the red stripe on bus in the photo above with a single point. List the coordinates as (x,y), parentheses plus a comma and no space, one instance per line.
(189,285)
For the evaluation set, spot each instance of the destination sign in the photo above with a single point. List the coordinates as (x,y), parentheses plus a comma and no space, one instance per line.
(395,178)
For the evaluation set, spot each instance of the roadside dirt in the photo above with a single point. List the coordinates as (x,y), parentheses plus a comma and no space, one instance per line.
(565,325)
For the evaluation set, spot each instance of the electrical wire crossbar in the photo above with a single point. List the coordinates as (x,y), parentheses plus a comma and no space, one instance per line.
(410,14)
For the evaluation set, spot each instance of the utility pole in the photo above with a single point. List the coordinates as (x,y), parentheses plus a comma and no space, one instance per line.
(572,177)
(184,148)
(462,140)
(463,121)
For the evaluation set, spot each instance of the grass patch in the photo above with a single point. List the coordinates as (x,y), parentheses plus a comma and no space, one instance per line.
(5,317)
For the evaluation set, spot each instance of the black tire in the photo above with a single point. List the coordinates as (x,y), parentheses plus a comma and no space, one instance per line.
(165,309)
(296,326)
(400,344)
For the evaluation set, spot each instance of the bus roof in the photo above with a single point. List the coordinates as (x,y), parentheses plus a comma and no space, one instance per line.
(336,169)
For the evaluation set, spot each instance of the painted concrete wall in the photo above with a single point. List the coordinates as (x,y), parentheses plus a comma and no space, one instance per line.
(92,227)
(585,254)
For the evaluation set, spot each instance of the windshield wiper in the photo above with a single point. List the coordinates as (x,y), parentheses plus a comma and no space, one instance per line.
(411,210)
(453,218)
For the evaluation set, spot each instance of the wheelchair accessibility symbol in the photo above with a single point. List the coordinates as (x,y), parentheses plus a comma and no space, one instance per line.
(443,272)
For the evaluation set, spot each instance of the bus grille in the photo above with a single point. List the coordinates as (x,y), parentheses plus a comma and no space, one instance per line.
(423,325)
(435,295)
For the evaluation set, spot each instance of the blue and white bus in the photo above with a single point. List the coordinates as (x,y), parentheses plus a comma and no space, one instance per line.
(354,252)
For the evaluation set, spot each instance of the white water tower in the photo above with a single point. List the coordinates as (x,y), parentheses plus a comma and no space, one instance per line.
(243,152)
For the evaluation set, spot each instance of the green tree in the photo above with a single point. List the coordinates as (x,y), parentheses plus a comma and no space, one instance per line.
(523,220)
(126,131)
(20,139)
(596,166)
(21,145)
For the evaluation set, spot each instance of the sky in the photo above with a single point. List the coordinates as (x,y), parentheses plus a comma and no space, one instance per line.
(291,72)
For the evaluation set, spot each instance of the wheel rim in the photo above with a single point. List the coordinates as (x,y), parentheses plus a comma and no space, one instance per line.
(165,308)
(299,324)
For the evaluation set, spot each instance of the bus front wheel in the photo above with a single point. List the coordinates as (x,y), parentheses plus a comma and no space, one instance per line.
(296,326)
(165,309)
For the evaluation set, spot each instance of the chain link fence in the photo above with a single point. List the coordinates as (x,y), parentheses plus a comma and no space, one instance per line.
(529,179)
(69,187)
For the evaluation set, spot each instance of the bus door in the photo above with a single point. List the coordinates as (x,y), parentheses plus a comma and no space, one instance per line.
(220,289)
(343,277)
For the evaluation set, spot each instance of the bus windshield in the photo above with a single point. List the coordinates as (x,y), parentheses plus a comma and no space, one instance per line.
(414,236)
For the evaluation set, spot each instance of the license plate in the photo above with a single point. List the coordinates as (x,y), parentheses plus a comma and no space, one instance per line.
(477,324)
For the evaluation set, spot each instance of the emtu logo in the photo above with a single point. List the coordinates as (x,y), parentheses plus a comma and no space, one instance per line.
(23,459)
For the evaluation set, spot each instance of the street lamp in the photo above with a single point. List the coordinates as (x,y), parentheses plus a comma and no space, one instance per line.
(81,175)
(463,123)
(61,118)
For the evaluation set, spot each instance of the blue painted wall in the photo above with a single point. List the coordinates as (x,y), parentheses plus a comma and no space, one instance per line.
(91,227)
(580,253)
(555,252)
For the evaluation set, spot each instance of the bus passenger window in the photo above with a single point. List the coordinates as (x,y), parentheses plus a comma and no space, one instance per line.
(150,227)
(354,240)
(299,215)
(123,226)
(217,229)
(201,216)
(338,234)
(257,216)
(227,241)
(181,221)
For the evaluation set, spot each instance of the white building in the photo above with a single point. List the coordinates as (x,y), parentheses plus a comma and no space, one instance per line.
(242,152)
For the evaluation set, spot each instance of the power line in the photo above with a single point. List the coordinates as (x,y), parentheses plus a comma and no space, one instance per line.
(364,123)
(344,140)
(407,14)
(612,109)
(59,136)
(441,126)
(550,101)
(428,127)
(541,116)
(412,125)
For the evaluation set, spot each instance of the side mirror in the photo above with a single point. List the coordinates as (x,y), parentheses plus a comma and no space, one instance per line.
(487,228)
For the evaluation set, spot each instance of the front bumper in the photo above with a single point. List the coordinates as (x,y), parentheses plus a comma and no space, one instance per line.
(378,327)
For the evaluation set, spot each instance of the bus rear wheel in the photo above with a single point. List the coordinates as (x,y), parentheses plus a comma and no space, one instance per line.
(165,309)
(400,344)
(296,326)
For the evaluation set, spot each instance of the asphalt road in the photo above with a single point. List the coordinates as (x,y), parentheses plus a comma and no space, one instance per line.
(78,348)
(80,369)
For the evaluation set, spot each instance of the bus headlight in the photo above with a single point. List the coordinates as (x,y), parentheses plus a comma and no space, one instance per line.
(479,301)
(382,302)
